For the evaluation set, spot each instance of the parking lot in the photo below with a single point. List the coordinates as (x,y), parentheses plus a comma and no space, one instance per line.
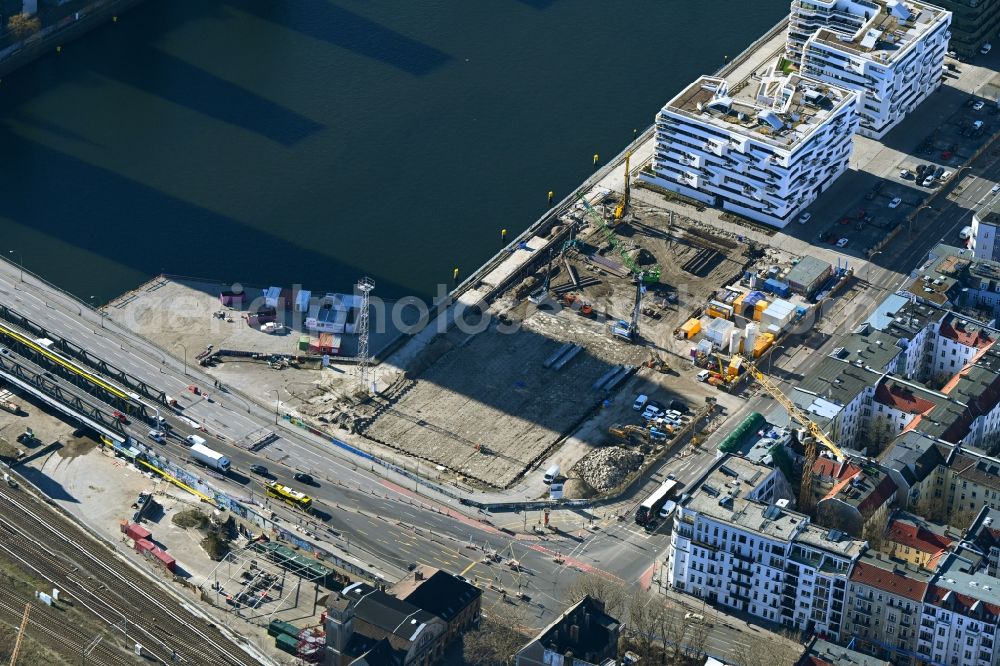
(892,178)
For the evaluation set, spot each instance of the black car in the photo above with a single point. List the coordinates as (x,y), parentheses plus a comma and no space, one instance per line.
(258,469)
(938,172)
(302,477)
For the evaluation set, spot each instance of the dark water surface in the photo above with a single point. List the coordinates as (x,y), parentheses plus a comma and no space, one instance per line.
(312,141)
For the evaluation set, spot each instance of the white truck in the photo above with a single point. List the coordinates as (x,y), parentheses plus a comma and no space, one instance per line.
(195,440)
(210,458)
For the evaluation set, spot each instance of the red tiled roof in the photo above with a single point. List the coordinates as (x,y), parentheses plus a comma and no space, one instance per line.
(937,594)
(917,537)
(830,468)
(878,496)
(888,581)
(978,338)
(902,398)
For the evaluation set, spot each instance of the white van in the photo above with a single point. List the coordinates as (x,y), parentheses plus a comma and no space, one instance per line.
(550,474)
(194,439)
(965,233)
(668,509)
(703,376)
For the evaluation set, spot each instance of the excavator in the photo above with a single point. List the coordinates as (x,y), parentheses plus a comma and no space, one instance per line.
(815,433)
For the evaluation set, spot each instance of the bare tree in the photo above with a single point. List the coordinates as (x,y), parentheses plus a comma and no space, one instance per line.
(697,637)
(613,593)
(23,25)
(874,531)
(644,611)
(763,652)
(497,638)
(672,628)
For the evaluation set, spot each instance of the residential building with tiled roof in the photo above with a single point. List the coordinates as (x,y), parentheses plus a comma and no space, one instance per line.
(916,463)
(454,600)
(883,607)
(918,541)
(820,652)
(859,501)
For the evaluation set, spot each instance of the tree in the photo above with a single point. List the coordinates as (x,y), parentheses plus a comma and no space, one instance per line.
(767,651)
(496,640)
(23,25)
(874,531)
(613,593)
(644,613)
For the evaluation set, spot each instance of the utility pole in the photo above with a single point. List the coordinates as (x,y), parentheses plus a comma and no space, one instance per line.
(365,286)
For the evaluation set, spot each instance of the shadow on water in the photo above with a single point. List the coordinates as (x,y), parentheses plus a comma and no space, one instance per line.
(83,187)
(537,4)
(343,28)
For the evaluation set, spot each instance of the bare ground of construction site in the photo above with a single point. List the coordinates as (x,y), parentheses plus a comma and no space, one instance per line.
(484,406)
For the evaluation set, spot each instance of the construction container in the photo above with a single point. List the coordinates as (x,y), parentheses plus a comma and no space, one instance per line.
(137,532)
(734,366)
(302,299)
(144,545)
(277,627)
(778,314)
(749,426)
(165,559)
(287,643)
(691,328)
(719,331)
(719,309)
(762,344)
(758,309)
(303,343)
(777,287)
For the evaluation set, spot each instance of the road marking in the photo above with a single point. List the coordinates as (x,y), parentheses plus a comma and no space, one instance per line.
(466,569)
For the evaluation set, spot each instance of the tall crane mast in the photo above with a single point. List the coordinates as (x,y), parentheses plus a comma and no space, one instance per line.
(20,635)
(647,275)
(816,434)
(622,206)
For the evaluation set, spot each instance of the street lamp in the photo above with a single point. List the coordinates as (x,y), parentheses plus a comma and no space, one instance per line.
(868,271)
(20,263)
(93,306)
(277,403)
(909,226)
(182,346)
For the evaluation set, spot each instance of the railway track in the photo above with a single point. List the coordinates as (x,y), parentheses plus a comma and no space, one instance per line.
(49,627)
(55,550)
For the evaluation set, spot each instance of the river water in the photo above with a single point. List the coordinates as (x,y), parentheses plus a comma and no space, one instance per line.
(311,142)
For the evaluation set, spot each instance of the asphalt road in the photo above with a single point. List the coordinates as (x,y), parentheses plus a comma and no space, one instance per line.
(390,522)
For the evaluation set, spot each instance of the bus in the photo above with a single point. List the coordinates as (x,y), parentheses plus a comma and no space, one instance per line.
(649,509)
(294,498)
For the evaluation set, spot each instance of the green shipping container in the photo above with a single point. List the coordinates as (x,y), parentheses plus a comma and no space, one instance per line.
(286,643)
(303,343)
(277,628)
(735,439)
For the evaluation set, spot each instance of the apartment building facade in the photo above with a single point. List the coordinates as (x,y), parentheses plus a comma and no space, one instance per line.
(764,152)
(890,51)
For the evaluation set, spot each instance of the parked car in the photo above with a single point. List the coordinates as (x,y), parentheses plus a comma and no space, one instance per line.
(703,376)
(805,217)
(995,189)
(987,47)
(928,181)
(906,174)
(640,402)
(978,106)
(946,175)
(895,202)
(976,125)
(694,617)
(843,242)
(939,171)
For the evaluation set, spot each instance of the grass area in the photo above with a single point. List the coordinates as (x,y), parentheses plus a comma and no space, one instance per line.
(787,66)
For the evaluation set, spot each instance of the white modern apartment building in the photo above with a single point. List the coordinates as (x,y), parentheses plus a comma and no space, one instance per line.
(890,51)
(764,152)
(985,226)
(736,542)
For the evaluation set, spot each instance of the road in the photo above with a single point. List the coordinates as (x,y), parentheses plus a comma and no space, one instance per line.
(388,521)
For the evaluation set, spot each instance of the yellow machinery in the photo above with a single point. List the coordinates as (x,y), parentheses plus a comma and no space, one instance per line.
(796,414)
(20,635)
(623,204)
(625,433)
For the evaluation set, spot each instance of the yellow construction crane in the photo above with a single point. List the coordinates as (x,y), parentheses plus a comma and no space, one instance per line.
(20,634)
(815,433)
(623,204)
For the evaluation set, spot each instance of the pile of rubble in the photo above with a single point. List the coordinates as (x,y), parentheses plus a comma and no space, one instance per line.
(605,469)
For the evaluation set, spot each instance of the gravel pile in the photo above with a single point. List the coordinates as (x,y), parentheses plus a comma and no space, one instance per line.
(605,469)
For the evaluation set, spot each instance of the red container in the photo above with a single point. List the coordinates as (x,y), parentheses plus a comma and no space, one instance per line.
(144,545)
(137,532)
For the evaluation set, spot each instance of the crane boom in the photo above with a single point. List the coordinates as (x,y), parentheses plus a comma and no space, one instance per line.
(20,635)
(794,412)
(622,206)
